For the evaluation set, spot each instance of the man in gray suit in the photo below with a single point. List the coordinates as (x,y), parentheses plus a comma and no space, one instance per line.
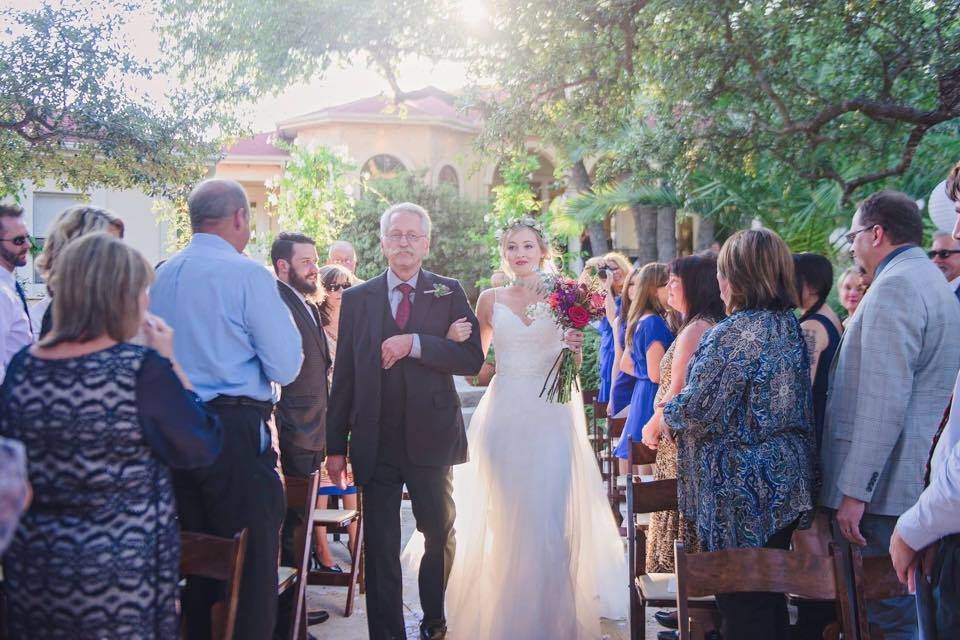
(891,380)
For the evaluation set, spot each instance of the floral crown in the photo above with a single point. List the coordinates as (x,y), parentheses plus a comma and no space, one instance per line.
(525,221)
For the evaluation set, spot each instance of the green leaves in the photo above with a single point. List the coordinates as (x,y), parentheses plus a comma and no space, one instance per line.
(72,107)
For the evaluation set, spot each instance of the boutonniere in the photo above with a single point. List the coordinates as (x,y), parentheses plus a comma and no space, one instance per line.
(439,290)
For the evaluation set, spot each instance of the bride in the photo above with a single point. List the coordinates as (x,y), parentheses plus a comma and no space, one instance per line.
(538,552)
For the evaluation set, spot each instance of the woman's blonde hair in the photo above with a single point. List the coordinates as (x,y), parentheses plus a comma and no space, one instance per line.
(72,223)
(623,262)
(546,262)
(652,277)
(98,280)
(759,267)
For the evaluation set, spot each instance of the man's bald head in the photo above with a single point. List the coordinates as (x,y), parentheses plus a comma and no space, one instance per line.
(342,252)
(219,207)
(214,200)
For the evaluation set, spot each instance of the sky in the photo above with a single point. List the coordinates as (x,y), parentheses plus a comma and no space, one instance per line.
(352,83)
(340,83)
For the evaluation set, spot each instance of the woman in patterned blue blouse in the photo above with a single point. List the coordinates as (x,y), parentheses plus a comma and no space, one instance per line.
(745,423)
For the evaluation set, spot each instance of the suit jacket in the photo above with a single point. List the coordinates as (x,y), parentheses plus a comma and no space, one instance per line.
(890,381)
(302,410)
(435,434)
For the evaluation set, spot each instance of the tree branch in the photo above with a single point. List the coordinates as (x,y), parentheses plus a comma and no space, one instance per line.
(909,151)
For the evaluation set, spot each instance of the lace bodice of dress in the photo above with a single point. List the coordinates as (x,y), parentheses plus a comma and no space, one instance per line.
(523,347)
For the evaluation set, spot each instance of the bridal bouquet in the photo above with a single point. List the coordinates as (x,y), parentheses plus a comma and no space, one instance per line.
(571,305)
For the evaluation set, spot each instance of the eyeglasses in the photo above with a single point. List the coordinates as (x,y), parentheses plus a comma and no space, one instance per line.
(853,234)
(943,254)
(18,241)
(411,237)
(339,286)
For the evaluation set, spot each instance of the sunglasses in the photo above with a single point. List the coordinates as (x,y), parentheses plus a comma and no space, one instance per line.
(18,241)
(337,287)
(943,254)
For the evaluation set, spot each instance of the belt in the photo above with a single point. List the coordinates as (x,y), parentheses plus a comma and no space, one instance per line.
(265,407)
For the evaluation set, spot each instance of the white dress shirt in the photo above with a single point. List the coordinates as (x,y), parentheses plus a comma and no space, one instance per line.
(394,295)
(303,299)
(15,332)
(936,513)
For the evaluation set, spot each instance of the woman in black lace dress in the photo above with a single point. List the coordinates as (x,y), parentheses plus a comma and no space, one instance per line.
(102,420)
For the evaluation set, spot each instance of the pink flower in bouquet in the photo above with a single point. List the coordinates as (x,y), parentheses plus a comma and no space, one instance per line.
(554,300)
(579,316)
(598,300)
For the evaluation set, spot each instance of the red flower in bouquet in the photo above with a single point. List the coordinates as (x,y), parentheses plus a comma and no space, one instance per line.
(579,317)
(571,305)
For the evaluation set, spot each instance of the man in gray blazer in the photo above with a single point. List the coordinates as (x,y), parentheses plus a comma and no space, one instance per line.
(891,380)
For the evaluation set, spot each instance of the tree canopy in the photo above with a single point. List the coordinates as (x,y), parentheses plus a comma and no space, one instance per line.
(73,108)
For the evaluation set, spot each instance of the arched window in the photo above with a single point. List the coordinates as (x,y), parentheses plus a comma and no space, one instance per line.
(448,175)
(382,166)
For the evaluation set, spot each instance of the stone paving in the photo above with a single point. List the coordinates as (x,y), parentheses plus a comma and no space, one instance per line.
(333,600)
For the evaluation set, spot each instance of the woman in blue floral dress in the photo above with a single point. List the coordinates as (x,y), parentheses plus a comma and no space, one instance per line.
(745,424)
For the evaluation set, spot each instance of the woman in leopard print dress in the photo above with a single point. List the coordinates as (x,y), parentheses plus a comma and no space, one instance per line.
(694,293)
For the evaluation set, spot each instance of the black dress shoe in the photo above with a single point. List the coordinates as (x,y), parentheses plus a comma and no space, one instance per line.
(433,632)
(316,617)
(667,619)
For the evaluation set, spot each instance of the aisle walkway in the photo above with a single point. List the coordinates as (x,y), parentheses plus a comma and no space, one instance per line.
(355,627)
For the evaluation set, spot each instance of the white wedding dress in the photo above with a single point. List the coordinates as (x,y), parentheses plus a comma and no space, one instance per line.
(538,553)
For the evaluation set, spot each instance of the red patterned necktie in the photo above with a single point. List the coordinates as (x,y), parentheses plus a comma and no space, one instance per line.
(403,309)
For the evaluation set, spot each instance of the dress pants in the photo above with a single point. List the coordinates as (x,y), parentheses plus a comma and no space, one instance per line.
(896,617)
(242,489)
(431,495)
(300,463)
(757,615)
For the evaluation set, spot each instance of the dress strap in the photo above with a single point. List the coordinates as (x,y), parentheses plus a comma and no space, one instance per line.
(832,334)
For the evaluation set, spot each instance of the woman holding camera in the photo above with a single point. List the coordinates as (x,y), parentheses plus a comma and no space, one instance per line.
(612,270)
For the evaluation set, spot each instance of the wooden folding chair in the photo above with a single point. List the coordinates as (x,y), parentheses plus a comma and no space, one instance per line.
(610,467)
(638,454)
(771,570)
(338,521)
(593,421)
(208,556)
(301,497)
(649,589)
(874,578)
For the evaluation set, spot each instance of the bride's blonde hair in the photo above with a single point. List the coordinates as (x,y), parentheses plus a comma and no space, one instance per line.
(503,235)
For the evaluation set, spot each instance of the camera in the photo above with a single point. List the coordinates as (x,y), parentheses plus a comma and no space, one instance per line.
(602,272)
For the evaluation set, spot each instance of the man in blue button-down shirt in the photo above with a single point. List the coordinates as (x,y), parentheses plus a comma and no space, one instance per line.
(234,336)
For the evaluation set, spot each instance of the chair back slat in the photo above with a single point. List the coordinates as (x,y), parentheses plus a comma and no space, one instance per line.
(649,497)
(615,427)
(771,570)
(208,556)
(641,454)
(774,570)
(880,580)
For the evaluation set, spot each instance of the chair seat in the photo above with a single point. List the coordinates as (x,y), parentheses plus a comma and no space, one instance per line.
(662,587)
(334,517)
(286,578)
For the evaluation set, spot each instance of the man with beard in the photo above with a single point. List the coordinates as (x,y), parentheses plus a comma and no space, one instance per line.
(301,412)
(15,330)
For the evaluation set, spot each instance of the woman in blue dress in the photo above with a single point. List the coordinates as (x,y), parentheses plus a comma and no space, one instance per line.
(612,270)
(622,388)
(648,338)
